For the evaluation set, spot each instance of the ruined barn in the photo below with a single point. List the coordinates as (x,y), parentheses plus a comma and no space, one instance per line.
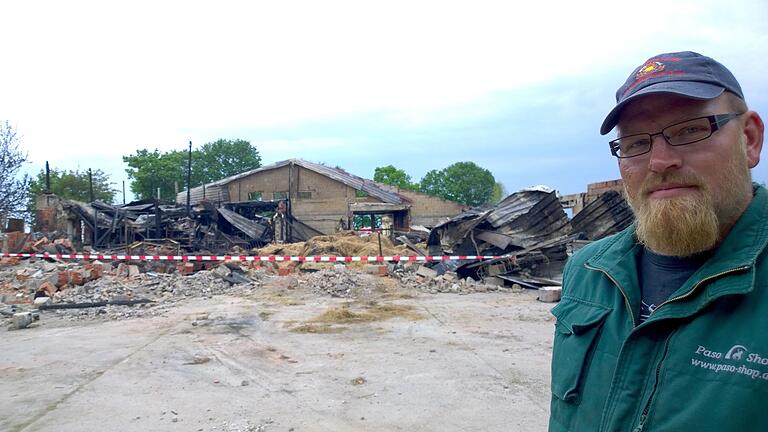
(325,198)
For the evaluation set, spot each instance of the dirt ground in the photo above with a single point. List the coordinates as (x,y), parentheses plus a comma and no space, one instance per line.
(285,359)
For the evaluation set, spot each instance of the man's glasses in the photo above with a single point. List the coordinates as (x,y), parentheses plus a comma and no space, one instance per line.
(687,132)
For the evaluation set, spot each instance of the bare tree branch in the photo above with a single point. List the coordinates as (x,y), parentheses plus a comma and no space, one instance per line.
(13,190)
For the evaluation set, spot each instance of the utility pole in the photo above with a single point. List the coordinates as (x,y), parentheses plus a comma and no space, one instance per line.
(189,179)
(95,212)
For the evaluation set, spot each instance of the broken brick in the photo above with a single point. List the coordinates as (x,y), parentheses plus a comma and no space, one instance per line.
(76,278)
(22,275)
(185,268)
(48,287)
(133,271)
(40,244)
(66,243)
(375,269)
(9,261)
(62,279)
(95,270)
(426,272)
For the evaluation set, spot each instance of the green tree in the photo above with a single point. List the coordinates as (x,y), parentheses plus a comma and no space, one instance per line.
(13,188)
(215,160)
(73,185)
(463,182)
(394,177)
(223,158)
(150,170)
(499,193)
(433,183)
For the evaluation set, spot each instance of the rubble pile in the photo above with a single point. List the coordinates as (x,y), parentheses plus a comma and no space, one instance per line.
(54,243)
(121,291)
(163,290)
(112,312)
(339,281)
(425,280)
(114,290)
(158,287)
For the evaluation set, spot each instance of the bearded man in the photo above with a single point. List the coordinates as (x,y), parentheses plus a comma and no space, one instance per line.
(664,326)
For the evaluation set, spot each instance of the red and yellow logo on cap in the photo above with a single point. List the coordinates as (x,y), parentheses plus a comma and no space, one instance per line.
(649,68)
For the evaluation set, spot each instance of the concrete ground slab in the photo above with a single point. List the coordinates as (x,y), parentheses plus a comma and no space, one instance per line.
(476,362)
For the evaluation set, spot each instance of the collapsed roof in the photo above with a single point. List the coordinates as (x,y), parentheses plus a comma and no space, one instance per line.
(530,225)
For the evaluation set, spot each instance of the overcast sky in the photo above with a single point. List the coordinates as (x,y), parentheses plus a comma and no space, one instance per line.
(520,88)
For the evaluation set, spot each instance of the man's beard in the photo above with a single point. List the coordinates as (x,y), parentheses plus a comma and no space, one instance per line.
(693,223)
(681,226)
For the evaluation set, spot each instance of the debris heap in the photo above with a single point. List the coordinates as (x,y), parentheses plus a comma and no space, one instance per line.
(529,226)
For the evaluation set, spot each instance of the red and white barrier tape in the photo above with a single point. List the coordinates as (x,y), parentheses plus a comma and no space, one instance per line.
(254,258)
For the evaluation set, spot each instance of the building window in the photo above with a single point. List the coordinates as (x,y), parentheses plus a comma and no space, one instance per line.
(254,196)
(361,193)
(278,196)
(304,195)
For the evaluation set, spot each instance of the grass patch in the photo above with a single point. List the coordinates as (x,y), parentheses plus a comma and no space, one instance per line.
(374,312)
(328,321)
(344,316)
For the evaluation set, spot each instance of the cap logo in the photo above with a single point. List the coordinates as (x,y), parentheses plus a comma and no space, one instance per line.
(649,68)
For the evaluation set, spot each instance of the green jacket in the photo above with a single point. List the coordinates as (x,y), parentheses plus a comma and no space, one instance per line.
(699,363)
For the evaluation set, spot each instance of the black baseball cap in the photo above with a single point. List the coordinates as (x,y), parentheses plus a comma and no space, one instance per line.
(684,73)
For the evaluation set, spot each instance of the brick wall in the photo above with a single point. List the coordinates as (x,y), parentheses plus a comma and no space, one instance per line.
(430,211)
(594,190)
(266,182)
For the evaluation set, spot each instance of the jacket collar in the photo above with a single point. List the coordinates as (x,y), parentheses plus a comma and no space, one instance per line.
(736,254)
(748,237)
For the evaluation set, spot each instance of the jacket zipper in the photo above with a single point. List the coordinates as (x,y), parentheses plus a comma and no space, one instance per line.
(621,290)
(647,409)
(715,276)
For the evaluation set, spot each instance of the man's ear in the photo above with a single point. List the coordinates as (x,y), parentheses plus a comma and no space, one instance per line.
(754,130)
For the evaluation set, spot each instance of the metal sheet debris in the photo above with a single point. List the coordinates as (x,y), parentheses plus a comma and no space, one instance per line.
(532,226)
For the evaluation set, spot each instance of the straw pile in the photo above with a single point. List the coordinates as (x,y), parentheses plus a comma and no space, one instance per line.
(341,244)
